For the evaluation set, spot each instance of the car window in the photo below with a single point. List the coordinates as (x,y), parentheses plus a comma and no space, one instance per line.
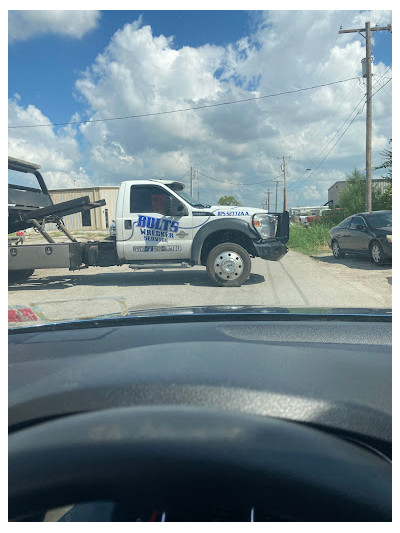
(345,223)
(356,221)
(380,220)
(148,199)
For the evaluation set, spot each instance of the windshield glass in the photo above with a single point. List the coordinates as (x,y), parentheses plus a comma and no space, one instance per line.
(190,200)
(113,106)
(381,220)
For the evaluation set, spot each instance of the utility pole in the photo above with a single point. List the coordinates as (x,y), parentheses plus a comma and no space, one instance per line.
(268,195)
(368,76)
(283,168)
(284,185)
(276,195)
(191,182)
(198,183)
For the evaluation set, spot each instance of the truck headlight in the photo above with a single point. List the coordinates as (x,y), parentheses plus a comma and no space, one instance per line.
(265,224)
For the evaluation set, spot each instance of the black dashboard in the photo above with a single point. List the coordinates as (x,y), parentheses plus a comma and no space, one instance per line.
(330,375)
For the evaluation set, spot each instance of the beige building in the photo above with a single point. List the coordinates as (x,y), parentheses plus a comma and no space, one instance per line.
(99,218)
(336,188)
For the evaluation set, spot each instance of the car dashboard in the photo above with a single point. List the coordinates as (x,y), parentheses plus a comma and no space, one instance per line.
(329,374)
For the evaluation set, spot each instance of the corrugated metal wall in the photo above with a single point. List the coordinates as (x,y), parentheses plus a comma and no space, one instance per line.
(336,188)
(100,217)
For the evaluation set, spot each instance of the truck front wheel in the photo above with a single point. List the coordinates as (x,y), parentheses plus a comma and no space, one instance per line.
(19,276)
(228,265)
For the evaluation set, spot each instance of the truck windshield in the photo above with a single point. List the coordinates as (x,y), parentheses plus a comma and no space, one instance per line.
(189,199)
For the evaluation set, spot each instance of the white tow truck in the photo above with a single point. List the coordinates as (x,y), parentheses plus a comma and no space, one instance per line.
(157,225)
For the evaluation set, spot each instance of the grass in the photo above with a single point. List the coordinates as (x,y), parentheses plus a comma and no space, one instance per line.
(311,240)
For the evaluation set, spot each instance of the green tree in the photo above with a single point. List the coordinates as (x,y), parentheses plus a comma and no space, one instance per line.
(387,162)
(384,199)
(352,198)
(228,200)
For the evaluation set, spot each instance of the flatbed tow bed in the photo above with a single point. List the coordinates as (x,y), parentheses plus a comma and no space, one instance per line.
(33,208)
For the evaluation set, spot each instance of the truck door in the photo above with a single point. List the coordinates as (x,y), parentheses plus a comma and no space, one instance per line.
(151,225)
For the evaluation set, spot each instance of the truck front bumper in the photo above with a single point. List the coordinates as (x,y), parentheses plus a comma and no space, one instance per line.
(271,249)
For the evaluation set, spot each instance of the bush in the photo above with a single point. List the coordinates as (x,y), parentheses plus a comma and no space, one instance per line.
(333,217)
(309,240)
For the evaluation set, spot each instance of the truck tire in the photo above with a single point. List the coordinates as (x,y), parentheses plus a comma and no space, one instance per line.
(228,265)
(19,276)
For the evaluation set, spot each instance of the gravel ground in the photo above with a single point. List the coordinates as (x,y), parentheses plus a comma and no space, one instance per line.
(294,281)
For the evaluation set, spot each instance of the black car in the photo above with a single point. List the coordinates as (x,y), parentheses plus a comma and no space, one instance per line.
(364,233)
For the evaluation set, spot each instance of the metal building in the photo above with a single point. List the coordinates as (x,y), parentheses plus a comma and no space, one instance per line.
(336,188)
(95,219)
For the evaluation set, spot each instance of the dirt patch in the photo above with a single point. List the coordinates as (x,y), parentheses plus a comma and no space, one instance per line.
(358,268)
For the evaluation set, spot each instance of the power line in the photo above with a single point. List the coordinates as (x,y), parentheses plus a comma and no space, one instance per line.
(357,62)
(184,175)
(183,109)
(326,146)
(302,180)
(381,87)
(320,163)
(232,183)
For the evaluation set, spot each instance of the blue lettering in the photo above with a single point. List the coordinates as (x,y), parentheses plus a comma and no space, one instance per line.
(141,221)
(150,222)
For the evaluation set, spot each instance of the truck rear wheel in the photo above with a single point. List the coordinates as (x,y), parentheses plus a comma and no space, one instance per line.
(228,265)
(19,276)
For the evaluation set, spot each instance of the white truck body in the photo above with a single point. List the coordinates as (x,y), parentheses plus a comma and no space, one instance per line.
(151,234)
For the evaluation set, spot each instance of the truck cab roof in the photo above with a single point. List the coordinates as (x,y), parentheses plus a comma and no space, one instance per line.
(174,185)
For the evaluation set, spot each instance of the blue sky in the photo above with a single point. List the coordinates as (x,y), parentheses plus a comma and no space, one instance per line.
(118,63)
(51,62)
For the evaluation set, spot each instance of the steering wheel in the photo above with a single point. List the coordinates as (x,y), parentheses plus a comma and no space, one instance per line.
(173,456)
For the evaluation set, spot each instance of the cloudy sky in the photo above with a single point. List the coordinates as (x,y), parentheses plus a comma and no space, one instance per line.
(76,75)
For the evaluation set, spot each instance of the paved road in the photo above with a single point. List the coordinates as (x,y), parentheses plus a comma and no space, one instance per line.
(295,281)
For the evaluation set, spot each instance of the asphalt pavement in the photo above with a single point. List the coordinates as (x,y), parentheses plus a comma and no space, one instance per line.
(294,281)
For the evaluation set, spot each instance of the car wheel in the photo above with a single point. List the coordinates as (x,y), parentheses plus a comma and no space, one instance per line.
(376,252)
(336,250)
(228,265)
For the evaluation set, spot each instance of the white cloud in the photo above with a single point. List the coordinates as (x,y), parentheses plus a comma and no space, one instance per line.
(57,153)
(141,73)
(22,25)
